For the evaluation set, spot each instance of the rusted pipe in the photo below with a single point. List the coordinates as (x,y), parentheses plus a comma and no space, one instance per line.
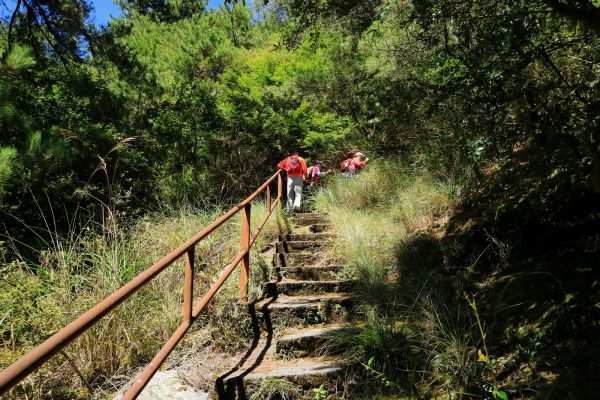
(32,360)
(245,247)
(142,380)
(17,371)
(148,372)
(262,224)
(213,289)
(260,189)
(280,189)
(188,284)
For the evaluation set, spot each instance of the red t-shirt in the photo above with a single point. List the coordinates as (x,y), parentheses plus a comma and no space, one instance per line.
(283,163)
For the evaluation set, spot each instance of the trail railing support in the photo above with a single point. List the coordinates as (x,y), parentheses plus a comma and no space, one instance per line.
(279,191)
(245,248)
(33,360)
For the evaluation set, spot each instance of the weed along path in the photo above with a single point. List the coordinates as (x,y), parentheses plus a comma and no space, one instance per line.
(307,303)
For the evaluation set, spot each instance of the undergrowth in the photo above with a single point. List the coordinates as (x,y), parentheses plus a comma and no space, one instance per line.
(411,339)
(275,388)
(377,214)
(43,292)
(524,251)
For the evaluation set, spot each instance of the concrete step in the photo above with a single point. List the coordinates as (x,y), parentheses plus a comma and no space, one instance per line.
(292,287)
(312,273)
(297,246)
(294,379)
(297,311)
(319,227)
(310,342)
(307,236)
(305,219)
(284,260)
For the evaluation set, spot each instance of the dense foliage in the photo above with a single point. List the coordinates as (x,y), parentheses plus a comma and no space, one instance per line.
(168,103)
(173,101)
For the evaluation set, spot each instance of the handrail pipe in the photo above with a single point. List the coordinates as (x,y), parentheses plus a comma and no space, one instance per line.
(33,360)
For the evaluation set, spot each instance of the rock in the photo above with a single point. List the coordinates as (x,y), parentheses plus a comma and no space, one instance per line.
(167,385)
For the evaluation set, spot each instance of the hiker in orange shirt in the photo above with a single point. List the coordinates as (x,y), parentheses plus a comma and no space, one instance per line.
(295,166)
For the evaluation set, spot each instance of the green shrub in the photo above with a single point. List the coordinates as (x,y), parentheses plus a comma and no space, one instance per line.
(450,344)
(275,388)
(384,350)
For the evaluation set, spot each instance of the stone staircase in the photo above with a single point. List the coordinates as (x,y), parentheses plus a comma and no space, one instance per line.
(307,302)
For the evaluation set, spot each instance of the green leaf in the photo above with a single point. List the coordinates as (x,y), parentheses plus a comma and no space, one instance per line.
(499,394)
(482,357)
(568,298)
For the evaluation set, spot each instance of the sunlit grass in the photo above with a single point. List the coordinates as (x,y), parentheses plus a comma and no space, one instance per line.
(80,268)
(385,218)
(376,211)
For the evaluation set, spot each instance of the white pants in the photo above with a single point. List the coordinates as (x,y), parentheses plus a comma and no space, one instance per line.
(294,192)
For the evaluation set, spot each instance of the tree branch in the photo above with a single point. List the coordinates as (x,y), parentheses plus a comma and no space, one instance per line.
(10,26)
(48,39)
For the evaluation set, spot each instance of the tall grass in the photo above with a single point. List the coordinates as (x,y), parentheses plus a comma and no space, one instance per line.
(450,344)
(376,212)
(83,266)
(387,219)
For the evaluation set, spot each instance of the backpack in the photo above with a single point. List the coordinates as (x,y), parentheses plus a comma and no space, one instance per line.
(309,173)
(345,165)
(314,172)
(292,165)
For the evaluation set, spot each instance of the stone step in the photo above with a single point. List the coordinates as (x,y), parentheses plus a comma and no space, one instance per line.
(292,379)
(292,287)
(297,246)
(311,273)
(305,219)
(307,236)
(284,260)
(167,384)
(310,342)
(296,311)
(308,214)
(319,227)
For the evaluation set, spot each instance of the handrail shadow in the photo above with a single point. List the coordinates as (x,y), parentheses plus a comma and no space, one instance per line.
(228,389)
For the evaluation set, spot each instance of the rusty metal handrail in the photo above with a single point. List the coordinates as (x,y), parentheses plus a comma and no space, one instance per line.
(20,369)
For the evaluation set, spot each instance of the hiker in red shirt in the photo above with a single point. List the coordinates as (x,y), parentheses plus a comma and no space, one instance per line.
(295,166)
(352,165)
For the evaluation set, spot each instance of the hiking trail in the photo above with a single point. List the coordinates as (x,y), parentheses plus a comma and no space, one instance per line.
(307,302)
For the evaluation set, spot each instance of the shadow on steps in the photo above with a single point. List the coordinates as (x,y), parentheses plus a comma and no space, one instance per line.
(230,385)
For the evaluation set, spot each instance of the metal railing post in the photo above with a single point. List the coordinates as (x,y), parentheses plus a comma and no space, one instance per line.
(19,370)
(245,247)
(280,190)
(188,285)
